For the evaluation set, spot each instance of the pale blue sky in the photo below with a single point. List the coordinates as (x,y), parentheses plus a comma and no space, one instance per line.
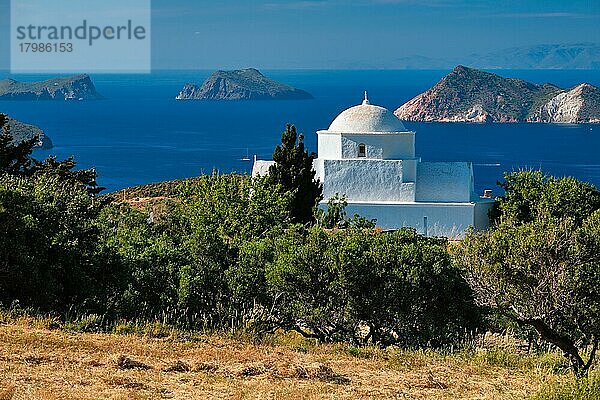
(274,34)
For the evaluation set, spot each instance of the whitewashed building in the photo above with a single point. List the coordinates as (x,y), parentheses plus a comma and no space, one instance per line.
(368,155)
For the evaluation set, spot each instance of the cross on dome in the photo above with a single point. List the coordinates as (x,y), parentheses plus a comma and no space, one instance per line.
(366,100)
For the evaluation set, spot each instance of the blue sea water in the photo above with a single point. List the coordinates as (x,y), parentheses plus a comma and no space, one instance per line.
(141,134)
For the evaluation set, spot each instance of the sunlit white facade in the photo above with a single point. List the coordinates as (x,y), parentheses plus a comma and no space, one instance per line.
(368,155)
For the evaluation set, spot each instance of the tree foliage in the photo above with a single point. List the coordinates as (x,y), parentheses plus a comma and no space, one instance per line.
(48,239)
(335,216)
(540,264)
(400,286)
(293,171)
(15,158)
(531,195)
(66,171)
(182,255)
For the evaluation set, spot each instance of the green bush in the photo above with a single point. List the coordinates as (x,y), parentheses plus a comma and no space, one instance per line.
(531,195)
(225,256)
(48,244)
(149,256)
(184,256)
(357,285)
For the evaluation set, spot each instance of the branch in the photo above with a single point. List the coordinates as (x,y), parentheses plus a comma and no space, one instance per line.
(306,334)
(592,355)
(561,341)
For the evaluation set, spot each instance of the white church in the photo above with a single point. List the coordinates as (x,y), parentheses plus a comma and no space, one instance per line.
(368,155)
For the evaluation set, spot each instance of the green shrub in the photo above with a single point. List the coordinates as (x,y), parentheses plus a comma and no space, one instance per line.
(86,323)
(360,286)
(48,245)
(574,389)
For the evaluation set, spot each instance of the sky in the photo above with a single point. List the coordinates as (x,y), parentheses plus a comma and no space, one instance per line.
(347,34)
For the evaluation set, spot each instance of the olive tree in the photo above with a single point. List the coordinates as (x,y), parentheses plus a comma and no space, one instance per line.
(540,262)
(359,285)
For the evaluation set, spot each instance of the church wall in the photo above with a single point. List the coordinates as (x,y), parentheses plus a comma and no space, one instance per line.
(410,170)
(396,146)
(261,168)
(482,216)
(365,180)
(329,145)
(444,182)
(450,220)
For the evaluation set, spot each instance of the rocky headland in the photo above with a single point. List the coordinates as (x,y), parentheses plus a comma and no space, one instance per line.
(21,131)
(78,87)
(471,95)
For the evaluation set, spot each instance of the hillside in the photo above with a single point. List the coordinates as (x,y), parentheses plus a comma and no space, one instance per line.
(471,95)
(244,84)
(78,87)
(43,359)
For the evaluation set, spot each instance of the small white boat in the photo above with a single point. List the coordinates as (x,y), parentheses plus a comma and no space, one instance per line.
(247,157)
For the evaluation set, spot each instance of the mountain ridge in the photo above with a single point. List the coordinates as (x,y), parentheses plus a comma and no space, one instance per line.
(584,56)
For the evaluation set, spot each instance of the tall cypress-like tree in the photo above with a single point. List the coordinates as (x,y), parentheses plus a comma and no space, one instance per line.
(293,170)
(14,158)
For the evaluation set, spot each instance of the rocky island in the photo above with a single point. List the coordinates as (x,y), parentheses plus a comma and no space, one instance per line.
(471,95)
(78,87)
(21,131)
(243,84)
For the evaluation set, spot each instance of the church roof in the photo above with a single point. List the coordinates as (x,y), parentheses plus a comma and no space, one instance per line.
(366,118)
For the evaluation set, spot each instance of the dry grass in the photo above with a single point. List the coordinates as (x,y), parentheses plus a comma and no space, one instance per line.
(40,363)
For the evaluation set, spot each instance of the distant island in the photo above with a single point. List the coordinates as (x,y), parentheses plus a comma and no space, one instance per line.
(78,87)
(471,95)
(543,56)
(22,131)
(242,84)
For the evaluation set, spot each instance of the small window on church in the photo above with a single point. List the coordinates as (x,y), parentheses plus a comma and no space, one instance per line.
(362,150)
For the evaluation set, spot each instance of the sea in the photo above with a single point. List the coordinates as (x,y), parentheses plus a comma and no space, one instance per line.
(140,134)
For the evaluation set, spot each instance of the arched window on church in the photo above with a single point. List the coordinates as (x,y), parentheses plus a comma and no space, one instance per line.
(362,150)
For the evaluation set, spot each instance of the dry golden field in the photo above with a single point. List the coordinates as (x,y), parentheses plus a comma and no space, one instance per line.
(41,363)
